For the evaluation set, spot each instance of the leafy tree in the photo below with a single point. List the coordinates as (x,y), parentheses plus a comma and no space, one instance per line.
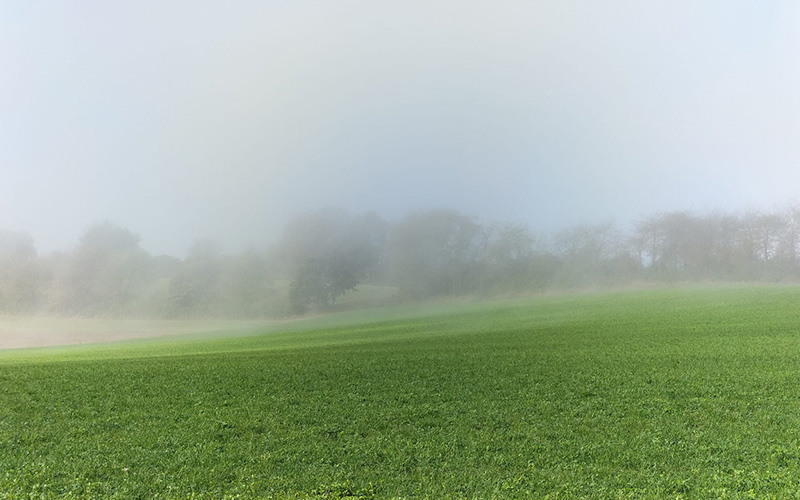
(328,253)
(321,281)
(105,271)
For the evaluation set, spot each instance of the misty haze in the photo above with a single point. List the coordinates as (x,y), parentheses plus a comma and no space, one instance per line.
(427,249)
(223,120)
(331,260)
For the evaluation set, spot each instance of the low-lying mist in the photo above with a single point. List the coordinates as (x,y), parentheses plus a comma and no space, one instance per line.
(330,260)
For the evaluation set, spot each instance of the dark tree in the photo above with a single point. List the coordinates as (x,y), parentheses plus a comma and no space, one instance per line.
(328,253)
(319,282)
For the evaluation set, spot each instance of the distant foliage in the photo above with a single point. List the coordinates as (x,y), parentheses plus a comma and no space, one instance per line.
(324,256)
(194,289)
(435,253)
(20,276)
(320,281)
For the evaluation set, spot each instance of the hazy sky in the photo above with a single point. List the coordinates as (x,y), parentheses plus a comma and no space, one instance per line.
(185,120)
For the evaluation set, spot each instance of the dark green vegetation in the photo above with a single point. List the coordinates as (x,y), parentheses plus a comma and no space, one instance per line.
(661,394)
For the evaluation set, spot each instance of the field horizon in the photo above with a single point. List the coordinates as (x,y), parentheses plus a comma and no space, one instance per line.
(54,331)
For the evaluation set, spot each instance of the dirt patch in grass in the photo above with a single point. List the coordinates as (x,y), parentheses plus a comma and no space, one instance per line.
(22,332)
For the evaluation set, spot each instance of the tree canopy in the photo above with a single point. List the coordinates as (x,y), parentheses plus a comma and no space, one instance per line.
(324,255)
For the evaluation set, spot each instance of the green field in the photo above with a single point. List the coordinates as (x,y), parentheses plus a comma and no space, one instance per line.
(656,394)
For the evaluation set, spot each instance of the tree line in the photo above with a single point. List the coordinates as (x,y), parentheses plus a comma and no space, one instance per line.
(323,256)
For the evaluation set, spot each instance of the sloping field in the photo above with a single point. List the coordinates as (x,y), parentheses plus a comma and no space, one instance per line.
(659,394)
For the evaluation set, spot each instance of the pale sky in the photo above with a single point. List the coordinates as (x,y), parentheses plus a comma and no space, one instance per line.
(211,119)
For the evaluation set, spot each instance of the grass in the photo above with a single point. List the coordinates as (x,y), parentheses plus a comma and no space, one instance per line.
(658,394)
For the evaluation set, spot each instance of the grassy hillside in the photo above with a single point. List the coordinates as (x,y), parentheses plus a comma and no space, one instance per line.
(680,393)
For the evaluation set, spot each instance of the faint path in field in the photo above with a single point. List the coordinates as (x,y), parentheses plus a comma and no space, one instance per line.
(20,332)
